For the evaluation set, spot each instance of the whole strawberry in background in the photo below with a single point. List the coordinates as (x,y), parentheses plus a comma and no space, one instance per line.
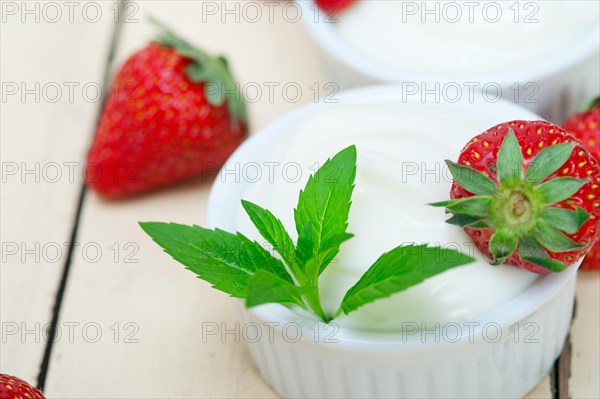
(15,388)
(173,112)
(333,6)
(585,126)
(528,194)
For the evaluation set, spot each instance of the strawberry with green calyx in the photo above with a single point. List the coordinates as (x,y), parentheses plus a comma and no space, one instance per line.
(585,127)
(528,194)
(174,112)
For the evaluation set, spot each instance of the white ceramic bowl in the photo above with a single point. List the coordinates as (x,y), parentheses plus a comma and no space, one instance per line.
(501,353)
(552,87)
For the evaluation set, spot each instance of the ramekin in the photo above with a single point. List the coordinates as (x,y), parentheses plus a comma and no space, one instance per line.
(501,353)
(553,87)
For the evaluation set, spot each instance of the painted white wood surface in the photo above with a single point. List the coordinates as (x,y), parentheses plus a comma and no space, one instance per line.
(46,119)
(585,366)
(148,310)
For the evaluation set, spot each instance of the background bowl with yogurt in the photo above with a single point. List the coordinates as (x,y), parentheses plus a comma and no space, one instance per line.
(542,54)
(464,333)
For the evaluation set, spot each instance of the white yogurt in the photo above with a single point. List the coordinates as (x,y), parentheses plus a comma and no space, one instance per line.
(449,37)
(400,170)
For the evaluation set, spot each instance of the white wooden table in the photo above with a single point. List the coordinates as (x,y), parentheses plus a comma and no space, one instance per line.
(129,319)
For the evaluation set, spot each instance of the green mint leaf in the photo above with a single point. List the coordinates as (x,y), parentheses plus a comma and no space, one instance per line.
(325,204)
(313,266)
(565,219)
(479,206)
(305,244)
(265,287)
(225,260)
(510,160)
(554,240)
(273,231)
(531,251)
(548,161)
(559,189)
(502,245)
(335,242)
(471,179)
(398,270)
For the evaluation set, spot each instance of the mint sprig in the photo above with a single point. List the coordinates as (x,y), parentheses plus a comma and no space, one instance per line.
(244,269)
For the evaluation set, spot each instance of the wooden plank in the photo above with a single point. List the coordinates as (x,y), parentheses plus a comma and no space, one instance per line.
(542,390)
(585,336)
(166,306)
(53,61)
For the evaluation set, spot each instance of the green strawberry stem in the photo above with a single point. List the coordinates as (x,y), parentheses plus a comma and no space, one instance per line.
(594,102)
(220,86)
(587,105)
(519,206)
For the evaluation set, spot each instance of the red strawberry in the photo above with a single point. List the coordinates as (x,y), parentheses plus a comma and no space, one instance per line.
(16,388)
(333,6)
(592,259)
(528,194)
(585,126)
(174,112)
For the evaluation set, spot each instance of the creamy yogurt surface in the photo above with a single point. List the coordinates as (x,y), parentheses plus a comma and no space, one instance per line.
(400,170)
(464,37)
